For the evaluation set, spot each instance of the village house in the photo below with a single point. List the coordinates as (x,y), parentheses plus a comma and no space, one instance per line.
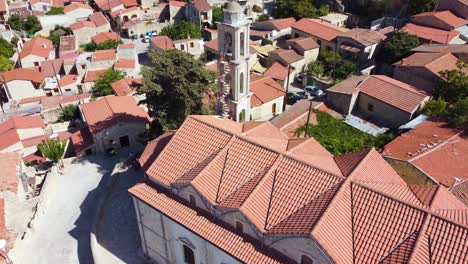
(21,83)
(458,7)
(36,50)
(176,11)
(115,122)
(83,31)
(129,68)
(68,44)
(4,11)
(460,51)
(189,45)
(90,78)
(336,19)
(324,33)
(205,200)
(78,11)
(423,69)
(271,31)
(52,106)
(70,84)
(199,12)
(127,51)
(161,43)
(279,73)
(443,20)
(288,57)
(104,36)
(433,35)
(267,98)
(100,21)
(16,129)
(126,86)
(110,5)
(377,99)
(43,6)
(102,59)
(305,47)
(430,153)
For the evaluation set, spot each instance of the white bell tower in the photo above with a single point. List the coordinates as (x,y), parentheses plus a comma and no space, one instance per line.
(233,62)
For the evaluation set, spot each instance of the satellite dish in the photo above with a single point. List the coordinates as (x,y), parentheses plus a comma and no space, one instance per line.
(2,244)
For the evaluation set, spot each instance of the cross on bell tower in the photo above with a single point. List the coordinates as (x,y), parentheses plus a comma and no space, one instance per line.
(233,62)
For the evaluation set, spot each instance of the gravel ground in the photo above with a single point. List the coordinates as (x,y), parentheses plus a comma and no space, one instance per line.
(61,229)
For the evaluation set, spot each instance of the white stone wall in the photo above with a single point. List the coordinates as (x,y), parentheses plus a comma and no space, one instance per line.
(15,147)
(28,61)
(19,89)
(104,28)
(104,139)
(29,133)
(264,111)
(80,14)
(83,35)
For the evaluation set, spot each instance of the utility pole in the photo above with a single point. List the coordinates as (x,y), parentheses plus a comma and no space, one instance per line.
(308,119)
(287,89)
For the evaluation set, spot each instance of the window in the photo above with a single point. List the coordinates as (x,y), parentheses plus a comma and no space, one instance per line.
(192,44)
(189,255)
(193,200)
(182,47)
(273,108)
(228,43)
(242,43)
(296,35)
(241,83)
(239,227)
(370,107)
(306,260)
(319,42)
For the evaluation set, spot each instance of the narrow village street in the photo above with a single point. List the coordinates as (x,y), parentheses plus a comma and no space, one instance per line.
(62,226)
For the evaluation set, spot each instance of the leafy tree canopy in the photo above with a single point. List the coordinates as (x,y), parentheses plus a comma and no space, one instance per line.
(53,149)
(262,17)
(315,69)
(70,113)
(344,69)
(436,107)
(102,86)
(55,11)
(5,64)
(218,14)
(16,22)
(56,38)
(174,88)
(108,44)
(298,9)
(6,48)
(32,24)
(458,114)
(420,6)
(398,46)
(182,30)
(454,85)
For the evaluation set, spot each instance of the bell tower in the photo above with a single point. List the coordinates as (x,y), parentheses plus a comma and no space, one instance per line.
(233,63)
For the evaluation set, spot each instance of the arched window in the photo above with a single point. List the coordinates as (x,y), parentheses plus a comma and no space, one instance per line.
(241,83)
(189,255)
(306,260)
(242,43)
(228,43)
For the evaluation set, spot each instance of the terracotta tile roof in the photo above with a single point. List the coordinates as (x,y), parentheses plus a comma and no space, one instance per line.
(395,93)
(3,6)
(67,43)
(125,64)
(437,48)
(82,139)
(110,110)
(126,46)
(69,79)
(245,250)
(288,56)
(277,71)
(104,55)
(434,62)
(119,12)
(129,3)
(8,129)
(74,6)
(82,24)
(348,162)
(32,75)
(461,192)
(92,76)
(264,90)
(364,36)
(318,28)
(153,149)
(303,43)
(106,5)
(177,3)
(56,101)
(9,162)
(126,86)
(162,42)
(212,44)
(201,5)
(98,19)
(348,86)
(278,24)
(105,36)
(37,46)
(445,17)
(51,68)
(431,34)
(7,234)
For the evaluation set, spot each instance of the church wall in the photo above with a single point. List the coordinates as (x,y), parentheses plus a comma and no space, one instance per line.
(264,111)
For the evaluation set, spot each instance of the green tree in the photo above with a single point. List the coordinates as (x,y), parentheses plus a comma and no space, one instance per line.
(102,86)
(5,64)
(345,69)
(315,69)
(398,46)
(262,17)
(295,8)
(69,113)
(182,30)
(6,48)
(454,85)
(458,114)
(420,6)
(437,107)
(329,59)
(16,22)
(174,88)
(53,149)
(218,14)
(108,44)
(55,11)
(32,24)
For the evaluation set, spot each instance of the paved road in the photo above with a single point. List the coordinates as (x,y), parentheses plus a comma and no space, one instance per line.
(61,230)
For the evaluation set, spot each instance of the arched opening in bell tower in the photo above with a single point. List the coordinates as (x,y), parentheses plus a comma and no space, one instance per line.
(242,44)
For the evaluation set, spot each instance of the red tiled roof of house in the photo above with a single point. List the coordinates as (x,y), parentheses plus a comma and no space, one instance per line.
(37,46)
(318,28)
(51,68)
(92,76)
(461,192)
(9,163)
(82,139)
(395,93)
(104,55)
(154,148)
(111,110)
(348,86)
(431,34)
(68,79)
(277,71)
(59,100)
(368,214)
(162,42)
(129,3)
(446,17)
(25,74)
(98,19)
(434,62)
(125,64)
(212,44)
(74,6)
(106,5)
(67,43)
(280,24)
(264,90)
(177,3)
(364,36)
(105,36)
(437,48)
(3,6)
(288,56)
(201,5)
(126,86)
(303,43)
(7,234)
(81,24)
(126,46)
(123,11)
(8,129)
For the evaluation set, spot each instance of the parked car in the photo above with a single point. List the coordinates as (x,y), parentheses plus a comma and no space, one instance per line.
(314,91)
(146,39)
(294,97)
